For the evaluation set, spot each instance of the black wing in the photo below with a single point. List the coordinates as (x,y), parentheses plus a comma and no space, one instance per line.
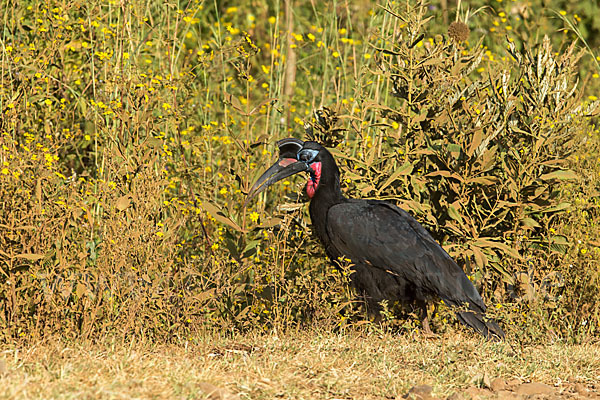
(379,234)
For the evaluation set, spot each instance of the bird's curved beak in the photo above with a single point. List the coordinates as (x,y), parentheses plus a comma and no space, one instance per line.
(281,169)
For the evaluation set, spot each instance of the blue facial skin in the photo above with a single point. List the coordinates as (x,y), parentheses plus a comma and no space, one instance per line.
(307,155)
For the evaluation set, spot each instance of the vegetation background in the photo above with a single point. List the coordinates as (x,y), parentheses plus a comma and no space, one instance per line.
(131,131)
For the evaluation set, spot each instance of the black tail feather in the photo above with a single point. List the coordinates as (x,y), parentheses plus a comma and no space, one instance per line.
(486,326)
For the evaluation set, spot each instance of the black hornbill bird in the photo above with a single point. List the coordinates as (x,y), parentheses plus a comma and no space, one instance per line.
(393,257)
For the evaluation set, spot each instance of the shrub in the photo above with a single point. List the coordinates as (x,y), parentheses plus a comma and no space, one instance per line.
(129,135)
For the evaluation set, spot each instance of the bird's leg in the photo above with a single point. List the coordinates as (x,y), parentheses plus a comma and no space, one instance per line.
(373,309)
(425,318)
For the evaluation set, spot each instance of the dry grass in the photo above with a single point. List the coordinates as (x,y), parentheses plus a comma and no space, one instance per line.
(305,364)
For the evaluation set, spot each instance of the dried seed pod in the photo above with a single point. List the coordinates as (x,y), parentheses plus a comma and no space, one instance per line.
(459,31)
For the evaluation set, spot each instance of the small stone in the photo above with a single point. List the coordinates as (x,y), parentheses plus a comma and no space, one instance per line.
(420,392)
(498,384)
(486,380)
(580,389)
(531,388)
(507,395)
(513,383)
(476,393)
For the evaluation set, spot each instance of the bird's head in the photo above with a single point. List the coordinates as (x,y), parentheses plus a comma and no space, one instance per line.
(298,156)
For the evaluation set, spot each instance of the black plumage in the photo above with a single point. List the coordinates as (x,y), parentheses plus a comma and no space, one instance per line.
(394,258)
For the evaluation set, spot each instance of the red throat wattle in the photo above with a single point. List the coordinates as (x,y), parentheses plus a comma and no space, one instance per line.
(315,178)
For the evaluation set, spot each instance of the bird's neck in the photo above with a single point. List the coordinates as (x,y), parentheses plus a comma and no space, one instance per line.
(326,196)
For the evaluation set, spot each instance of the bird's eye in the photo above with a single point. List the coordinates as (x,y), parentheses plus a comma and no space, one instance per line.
(307,155)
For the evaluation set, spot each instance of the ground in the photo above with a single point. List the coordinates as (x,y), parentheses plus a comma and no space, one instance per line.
(300,365)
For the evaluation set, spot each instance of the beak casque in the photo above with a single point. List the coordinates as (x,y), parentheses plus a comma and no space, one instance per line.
(287,165)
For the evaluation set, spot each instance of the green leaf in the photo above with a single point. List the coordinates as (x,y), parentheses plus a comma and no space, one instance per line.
(484,180)
(446,174)
(559,239)
(218,214)
(454,148)
(508,278)
(480,258)
(30,256)
(405,169)
(475,142)
(81,289)
(483,243)
(454,214)
(558,207)
(270,222)
(251,245)
(561,174)
(234,102)
(530,222)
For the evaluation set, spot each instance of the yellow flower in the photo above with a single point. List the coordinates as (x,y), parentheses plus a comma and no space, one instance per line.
(254,217)
(272,20)
(335,54)
(4,171)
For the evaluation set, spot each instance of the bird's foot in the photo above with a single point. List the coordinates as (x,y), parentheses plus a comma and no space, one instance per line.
(426,330)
